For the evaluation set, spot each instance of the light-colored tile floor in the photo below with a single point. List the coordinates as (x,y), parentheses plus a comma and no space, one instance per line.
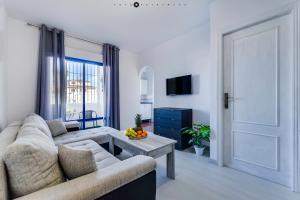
(198,178)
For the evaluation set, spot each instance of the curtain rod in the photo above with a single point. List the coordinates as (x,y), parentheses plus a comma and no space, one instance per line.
(69,35)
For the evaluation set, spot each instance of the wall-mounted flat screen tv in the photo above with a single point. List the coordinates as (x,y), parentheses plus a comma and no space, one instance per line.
(179,85)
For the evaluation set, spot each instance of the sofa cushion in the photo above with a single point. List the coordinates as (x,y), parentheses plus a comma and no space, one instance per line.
(32,161)
(57,127)
(99,135)
(36,121)
(7,136)
(102,157)
(76,162)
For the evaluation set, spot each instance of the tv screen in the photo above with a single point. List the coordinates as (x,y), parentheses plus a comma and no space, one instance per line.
(179,85)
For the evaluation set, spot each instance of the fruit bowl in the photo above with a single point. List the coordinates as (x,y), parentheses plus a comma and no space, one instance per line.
(133,134)
(136,138)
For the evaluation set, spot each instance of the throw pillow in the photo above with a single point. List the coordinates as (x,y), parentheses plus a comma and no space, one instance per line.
(76,162)
(32,162)
(57,127)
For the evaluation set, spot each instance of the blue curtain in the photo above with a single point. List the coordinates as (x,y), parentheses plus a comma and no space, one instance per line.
(51,85)
(111,86)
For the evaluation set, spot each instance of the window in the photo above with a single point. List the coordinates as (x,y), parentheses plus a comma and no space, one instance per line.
(84,92)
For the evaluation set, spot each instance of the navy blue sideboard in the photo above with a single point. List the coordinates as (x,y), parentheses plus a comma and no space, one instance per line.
(169,121)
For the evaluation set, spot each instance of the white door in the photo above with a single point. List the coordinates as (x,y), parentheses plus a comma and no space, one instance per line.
(143,110)
(258,74)
(146,111)
(148,114)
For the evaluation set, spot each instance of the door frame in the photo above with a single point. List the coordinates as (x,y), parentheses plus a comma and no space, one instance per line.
(146,67)
(84,62)
(294,10)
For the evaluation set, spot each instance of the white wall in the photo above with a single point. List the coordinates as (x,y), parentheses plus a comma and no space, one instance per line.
(183,55)
(3,49)
(21,72)
(129,88)
(224,14)
(83,50)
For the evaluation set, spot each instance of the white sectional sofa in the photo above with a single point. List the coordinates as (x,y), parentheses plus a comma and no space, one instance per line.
(134,178)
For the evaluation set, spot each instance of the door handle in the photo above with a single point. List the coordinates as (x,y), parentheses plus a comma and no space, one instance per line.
(226,100)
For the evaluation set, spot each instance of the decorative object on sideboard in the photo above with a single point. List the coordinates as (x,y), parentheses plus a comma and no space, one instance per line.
(200,137)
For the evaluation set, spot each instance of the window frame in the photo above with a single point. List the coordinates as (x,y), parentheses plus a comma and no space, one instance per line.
(84,62)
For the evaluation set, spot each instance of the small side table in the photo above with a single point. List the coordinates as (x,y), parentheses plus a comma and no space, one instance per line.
(72,126)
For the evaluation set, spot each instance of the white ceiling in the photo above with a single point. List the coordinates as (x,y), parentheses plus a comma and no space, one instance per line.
(130,28)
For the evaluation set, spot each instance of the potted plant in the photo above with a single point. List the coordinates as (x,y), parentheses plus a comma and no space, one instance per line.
(200,134)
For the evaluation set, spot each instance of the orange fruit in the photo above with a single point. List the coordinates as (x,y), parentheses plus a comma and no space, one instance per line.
(139,132)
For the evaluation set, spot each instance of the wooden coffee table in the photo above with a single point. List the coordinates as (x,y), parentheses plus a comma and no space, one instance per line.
(154,146)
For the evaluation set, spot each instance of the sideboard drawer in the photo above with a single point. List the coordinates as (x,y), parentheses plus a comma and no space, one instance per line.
(168,123)
(167,132)
(163,131)
(168,114)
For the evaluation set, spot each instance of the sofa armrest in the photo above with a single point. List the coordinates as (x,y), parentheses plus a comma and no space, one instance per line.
(72,126)
(99,183)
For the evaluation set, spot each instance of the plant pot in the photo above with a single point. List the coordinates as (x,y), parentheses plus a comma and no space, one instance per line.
(205,143)
(199,151)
